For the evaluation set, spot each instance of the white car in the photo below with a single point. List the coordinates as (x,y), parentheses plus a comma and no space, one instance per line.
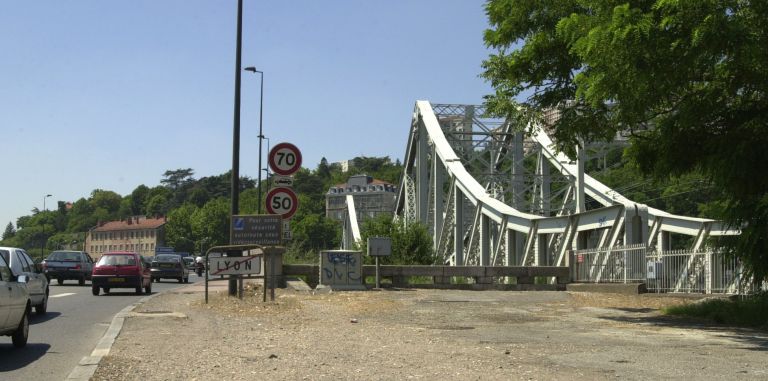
(37,283)
(14,305)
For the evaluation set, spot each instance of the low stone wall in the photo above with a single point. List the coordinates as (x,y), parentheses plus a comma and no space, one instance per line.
(454,277)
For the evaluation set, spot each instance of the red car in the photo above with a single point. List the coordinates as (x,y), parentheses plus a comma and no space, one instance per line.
(121,269)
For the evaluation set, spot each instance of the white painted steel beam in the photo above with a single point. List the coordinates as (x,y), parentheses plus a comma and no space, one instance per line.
(431,160)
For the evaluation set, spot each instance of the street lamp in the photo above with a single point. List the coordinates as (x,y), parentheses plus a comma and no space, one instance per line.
(261,134)
(42,243)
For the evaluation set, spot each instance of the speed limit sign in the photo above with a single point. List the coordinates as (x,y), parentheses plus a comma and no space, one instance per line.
(284,159)
(282,201)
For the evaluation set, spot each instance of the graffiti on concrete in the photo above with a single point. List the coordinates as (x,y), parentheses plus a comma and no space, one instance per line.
(341,268)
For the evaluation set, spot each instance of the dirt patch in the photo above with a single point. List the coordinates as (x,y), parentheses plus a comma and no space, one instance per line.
(426,334)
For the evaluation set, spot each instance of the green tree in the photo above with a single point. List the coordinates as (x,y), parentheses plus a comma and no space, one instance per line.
(107,200)
(212,222)
(686,79)
(178,228)
(158,205)
(411,244)
(176,179)
(138,199)
(81,216)
(315,232)
(9,231)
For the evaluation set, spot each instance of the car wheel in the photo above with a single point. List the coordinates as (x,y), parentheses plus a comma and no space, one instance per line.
(138,290)
(81,281)
(59,281)
(186,280)
(181,280)
(95,290)
(42,308)
(106,290)
(21,335)
(148,289)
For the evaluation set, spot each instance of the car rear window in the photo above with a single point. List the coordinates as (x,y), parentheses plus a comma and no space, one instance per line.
(64,256)
(167,258)
(117,260)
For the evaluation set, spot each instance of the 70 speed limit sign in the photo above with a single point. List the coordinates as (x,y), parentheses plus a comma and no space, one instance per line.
(282,201)
(284,159)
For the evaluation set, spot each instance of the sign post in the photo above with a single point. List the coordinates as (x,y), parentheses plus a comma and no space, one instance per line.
(379,247)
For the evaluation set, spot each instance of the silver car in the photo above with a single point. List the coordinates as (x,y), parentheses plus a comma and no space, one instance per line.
(37,283)
(14,305)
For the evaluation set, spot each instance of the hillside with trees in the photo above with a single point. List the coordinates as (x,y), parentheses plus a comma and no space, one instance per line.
(197,210)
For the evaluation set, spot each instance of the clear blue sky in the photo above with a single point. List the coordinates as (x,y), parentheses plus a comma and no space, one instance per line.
(111,94)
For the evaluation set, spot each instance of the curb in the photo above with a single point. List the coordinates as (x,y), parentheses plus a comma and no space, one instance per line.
(84,370)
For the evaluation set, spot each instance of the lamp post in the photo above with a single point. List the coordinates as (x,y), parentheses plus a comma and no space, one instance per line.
(261,133)
(235,195)
(42,244)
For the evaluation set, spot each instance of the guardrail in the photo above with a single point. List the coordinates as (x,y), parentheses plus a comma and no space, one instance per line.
(453,277)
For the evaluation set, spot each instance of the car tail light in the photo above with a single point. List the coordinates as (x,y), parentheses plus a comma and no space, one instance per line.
(77,267)
(45,265)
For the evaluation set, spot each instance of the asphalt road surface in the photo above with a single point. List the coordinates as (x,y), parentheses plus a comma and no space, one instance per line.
(75,322)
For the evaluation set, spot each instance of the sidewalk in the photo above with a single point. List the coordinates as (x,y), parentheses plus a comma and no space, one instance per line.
(419,334)
(88,365)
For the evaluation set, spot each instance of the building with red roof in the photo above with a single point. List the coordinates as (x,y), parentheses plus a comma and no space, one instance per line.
(136,233)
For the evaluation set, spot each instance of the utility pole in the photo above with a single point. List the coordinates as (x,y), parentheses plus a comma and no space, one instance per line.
(236,138)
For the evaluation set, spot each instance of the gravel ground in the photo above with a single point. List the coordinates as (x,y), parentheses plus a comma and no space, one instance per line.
(426,334)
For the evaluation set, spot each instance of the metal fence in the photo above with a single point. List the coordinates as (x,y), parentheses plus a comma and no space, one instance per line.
(620,264)
(673,271)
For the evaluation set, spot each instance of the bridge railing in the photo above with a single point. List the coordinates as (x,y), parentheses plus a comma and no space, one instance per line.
(685,271)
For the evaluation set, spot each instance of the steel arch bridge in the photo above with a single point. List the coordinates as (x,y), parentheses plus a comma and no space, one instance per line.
(491,197)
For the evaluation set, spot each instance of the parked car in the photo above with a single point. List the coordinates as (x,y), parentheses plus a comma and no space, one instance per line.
(190,262)
(64,264)
(169,266)
(37,283)
(15,305)
(121,269)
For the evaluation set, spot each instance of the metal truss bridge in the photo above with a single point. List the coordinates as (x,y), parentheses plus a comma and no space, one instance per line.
(492,197)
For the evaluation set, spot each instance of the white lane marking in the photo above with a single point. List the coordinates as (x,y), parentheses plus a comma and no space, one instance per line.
(60,295)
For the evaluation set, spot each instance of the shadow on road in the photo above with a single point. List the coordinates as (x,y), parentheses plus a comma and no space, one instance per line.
(37,319)
(17,358)
(753,339)
(123,293)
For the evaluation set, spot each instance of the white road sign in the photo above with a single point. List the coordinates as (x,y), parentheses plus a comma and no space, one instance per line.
(235,265)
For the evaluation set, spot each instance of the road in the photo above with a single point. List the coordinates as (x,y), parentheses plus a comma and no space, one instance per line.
(75,322)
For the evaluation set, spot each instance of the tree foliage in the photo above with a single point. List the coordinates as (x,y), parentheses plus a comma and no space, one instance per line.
(411,244)
(197,210)
(9,232)
(687,79)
